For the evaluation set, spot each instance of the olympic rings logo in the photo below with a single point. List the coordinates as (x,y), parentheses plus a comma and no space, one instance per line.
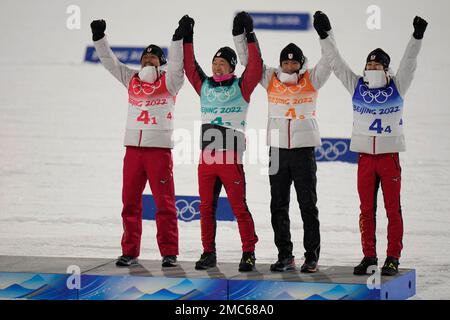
(280,87)
(187,210)
(329,151)
(145,87)
(222,94)
(379,95)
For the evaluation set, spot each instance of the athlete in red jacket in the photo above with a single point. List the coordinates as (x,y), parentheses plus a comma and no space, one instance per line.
(224,102)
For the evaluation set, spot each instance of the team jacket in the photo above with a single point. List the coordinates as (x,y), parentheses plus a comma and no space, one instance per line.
(224,105)
(381,140)
(292,108)
(150,105)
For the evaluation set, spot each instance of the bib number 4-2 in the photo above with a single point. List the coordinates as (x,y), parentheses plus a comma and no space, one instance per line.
(378,127)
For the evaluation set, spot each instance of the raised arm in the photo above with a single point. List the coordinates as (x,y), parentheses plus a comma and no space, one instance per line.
(253,71)
(175,71)
(194,73)
(320,73)
(322,70)
(340,68)
(408,64)
(242,46)
(240,43)
(119,70)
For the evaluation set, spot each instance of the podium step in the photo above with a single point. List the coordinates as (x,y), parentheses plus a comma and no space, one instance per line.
(64,278)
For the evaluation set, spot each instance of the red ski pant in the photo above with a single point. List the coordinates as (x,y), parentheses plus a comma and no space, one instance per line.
(373,169)
(155,166)
(213,172)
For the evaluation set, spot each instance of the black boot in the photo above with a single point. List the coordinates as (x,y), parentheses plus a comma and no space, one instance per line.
(390,267)
(126,261)
(366,262)
(247,262)
(284,264)
(309,266)
(169,261)
(207,260)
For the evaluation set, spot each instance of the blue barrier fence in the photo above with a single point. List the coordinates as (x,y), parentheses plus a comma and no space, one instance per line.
(336,149)
(281,21)
(188,208)
(128,55)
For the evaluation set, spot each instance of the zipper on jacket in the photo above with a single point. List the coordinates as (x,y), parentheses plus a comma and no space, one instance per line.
(289,133)
(140,138)
(373,151)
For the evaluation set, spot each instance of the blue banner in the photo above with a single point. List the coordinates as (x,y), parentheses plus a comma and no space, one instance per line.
(128,55)
(281,21)
(188,208)
(335,149)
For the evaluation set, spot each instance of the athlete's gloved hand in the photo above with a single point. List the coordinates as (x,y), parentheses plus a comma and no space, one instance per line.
(420,25)
(248,22)
(186,24)
(179,32)
(182,30)
(185,29)
(321,24)
(244,22)
(98,28)
(238,24)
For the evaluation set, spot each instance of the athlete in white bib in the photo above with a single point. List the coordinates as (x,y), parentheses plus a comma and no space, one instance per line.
(378,136)
(292,134)
(152,92)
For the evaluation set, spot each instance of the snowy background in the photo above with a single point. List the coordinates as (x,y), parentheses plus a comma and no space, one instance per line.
(62,124)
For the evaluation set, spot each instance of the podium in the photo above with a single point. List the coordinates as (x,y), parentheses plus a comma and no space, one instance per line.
(62,278)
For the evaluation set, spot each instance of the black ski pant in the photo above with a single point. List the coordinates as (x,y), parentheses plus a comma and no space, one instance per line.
(299,166)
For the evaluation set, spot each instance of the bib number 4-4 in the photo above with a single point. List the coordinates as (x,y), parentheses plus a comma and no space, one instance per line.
(378,127)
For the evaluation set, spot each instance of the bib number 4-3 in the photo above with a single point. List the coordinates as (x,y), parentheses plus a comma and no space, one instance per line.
(378,127)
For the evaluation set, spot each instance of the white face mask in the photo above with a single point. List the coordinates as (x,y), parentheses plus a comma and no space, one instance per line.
(149,74)
(288,78)
(375,78)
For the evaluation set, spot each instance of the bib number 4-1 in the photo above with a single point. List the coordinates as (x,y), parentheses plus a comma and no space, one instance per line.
(378,127)
(144,117)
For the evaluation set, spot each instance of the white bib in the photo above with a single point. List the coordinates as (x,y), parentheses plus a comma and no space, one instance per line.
(150,105)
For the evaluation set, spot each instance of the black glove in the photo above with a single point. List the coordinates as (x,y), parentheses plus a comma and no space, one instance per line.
(180,30)
(321,24)
(244,22)
(185,29)
(248,22)
(238,24)
(420,25)
(98,28)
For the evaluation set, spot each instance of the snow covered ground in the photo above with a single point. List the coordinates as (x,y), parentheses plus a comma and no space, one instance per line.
(62,124)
